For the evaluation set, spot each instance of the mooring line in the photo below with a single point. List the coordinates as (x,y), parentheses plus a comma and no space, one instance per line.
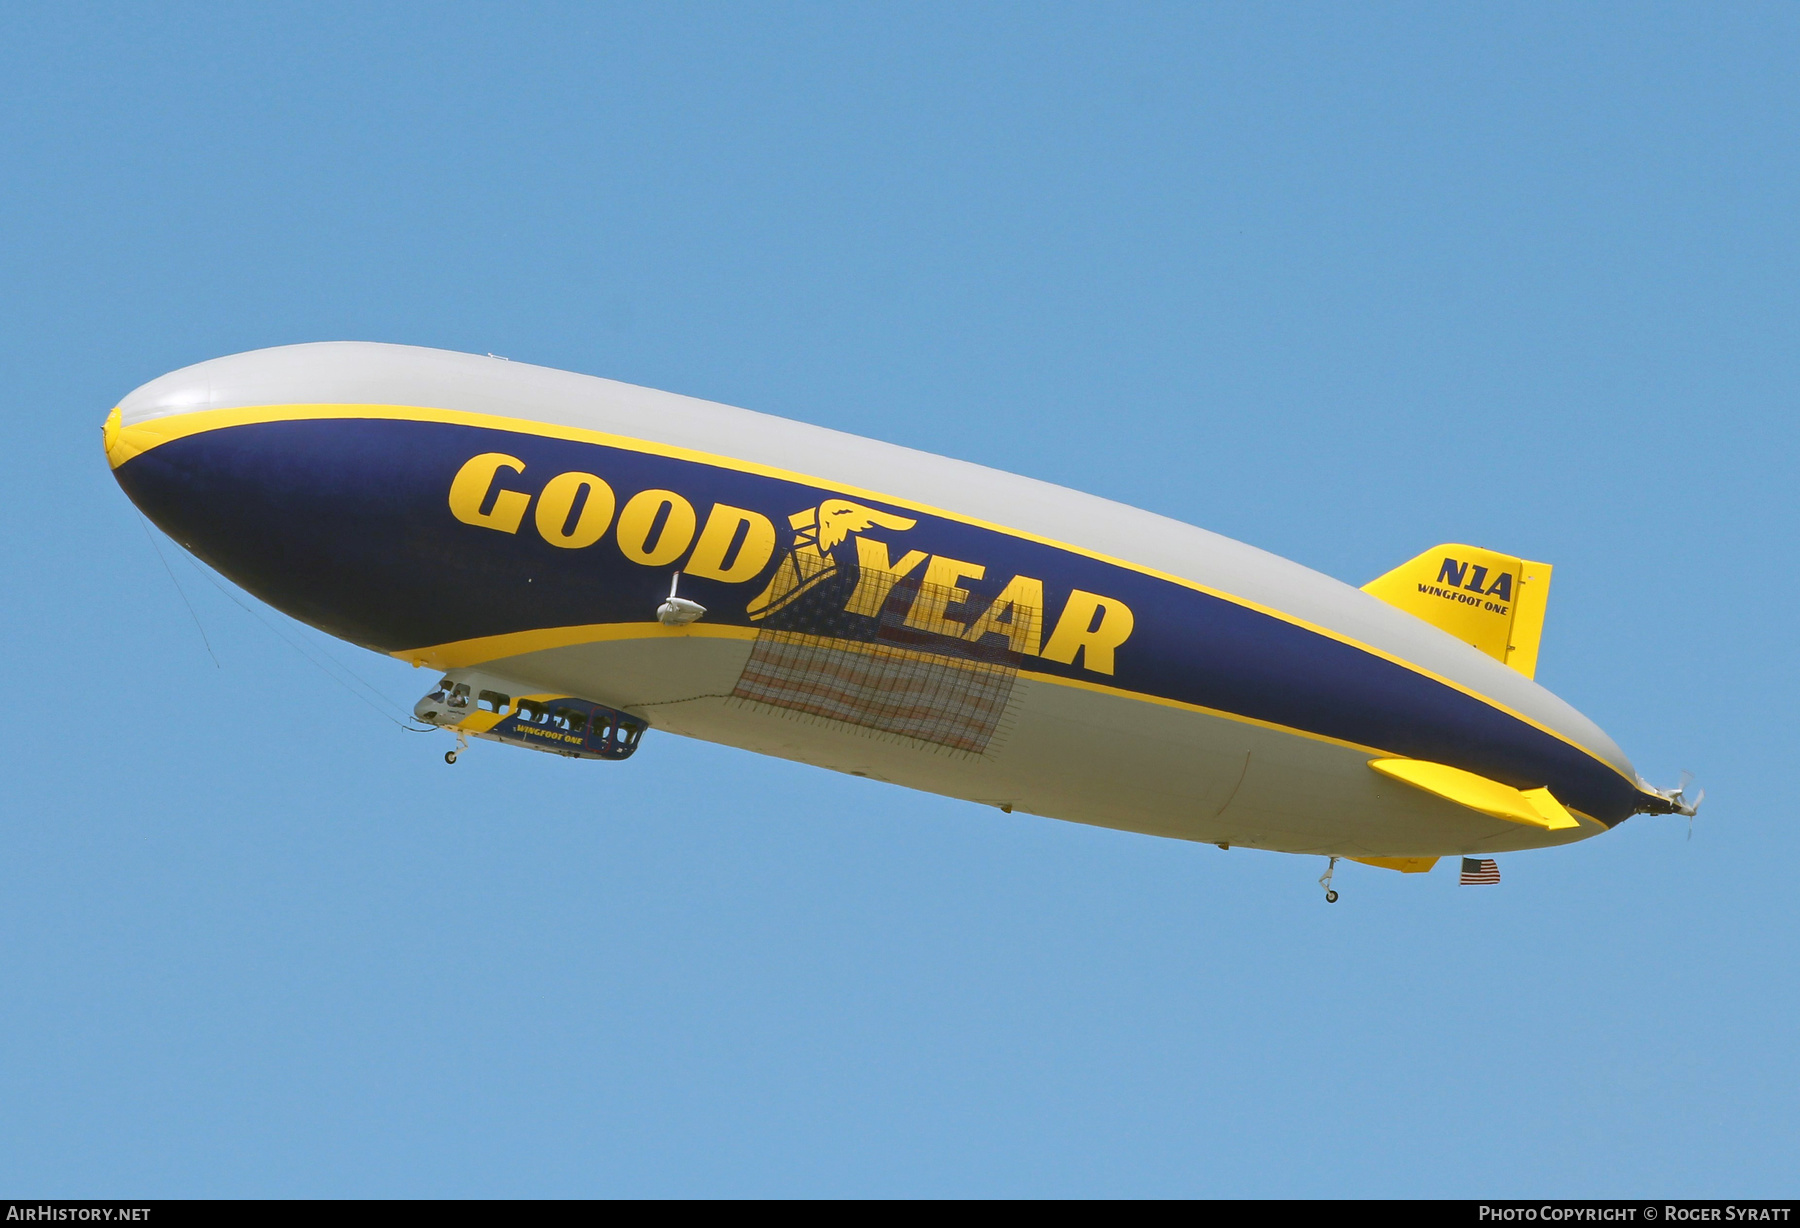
(326,666)
(179,591)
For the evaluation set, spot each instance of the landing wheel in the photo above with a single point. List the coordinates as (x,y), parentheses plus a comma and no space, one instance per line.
(1325,881)
(449,756)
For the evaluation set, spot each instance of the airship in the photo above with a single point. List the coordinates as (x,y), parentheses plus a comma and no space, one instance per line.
(580,561)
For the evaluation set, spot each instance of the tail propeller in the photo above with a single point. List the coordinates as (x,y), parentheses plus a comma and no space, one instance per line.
(1680,803)
(1684,805)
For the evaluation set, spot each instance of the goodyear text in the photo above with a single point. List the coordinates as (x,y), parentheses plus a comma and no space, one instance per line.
(660,528)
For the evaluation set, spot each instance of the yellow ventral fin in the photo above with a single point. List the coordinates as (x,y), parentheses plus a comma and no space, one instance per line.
(1532,807)
(1406,865)
(1493,601)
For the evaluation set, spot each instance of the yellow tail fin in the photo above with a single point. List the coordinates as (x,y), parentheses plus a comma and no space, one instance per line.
(1532,807)
(1406,865)
(1493,601)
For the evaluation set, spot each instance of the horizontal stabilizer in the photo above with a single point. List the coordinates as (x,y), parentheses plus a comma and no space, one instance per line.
(1494,602)
(1532,807)
(1406,865)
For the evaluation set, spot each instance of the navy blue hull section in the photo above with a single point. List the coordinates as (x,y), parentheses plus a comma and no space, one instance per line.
(346,524)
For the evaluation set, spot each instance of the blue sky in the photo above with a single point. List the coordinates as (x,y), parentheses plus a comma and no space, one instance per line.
(1343,282)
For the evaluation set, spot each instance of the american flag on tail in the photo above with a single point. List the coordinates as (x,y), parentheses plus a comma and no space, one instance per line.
(1479,870)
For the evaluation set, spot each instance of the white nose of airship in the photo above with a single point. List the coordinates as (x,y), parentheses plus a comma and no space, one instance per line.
(304,505)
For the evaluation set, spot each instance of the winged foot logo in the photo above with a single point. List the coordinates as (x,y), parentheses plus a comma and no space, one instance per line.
(818,532)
